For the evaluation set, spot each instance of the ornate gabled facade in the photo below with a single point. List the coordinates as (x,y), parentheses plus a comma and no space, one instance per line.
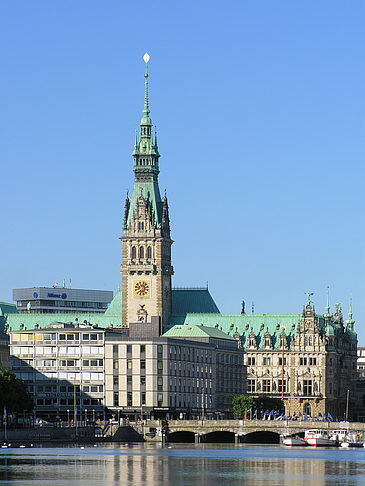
(315,369)
(146,243)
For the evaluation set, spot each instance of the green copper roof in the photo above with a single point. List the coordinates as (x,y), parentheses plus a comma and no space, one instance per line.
(192,300)
(115,306)
(196,331)
(6,308)
(259,323)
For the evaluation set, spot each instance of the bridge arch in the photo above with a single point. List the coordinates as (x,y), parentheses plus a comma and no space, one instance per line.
(262,437)
(218,437)
(182,436)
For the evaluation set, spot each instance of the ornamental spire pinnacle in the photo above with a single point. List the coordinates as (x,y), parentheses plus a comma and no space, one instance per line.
(146,111)
(350,321)
(327,314)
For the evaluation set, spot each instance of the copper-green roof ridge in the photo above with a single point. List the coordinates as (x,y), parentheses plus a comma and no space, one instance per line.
(259,323)
(195,331)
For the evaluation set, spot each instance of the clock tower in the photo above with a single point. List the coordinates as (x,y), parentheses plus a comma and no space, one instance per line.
(146,244)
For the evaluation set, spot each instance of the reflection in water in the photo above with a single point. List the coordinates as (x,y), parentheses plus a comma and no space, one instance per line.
(151,465)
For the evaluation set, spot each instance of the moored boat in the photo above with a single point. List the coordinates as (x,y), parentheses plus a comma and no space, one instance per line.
(293,441)
(319,438)
(353,438)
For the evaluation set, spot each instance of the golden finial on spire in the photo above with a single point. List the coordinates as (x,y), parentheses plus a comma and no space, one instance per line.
(146,58)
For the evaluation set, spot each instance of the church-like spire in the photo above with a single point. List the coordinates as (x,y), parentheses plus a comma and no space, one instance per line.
(146,166)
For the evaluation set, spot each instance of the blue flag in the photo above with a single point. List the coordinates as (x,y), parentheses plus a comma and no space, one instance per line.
(329,417)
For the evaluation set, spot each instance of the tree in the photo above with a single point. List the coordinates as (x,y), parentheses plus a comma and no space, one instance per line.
(240,404)
(13,393)
(243,403)
(263,403)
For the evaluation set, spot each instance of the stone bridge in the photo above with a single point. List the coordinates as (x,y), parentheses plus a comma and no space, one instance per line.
(236,430)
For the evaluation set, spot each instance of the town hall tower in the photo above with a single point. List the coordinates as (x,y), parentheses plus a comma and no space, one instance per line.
(146,244)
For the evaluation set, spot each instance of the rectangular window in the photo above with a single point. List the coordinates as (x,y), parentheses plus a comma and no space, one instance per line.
(266,386)
(86,337)
(116,399)
(143,380)
(251,386)
(129,348)
(115,380)
(307,388)
(279,386)
(312,361)
(93,389)
(251,361)
(129,399)
(143,364)
(115,349)
(281,361)
(143,398)
(303,361)
(129,379)
(266,361)
(159,365)
(143,348)
(115,365)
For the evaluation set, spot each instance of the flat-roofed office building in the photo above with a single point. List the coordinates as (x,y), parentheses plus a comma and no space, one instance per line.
(52,300)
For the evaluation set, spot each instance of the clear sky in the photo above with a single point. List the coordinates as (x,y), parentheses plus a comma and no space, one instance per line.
(259,107)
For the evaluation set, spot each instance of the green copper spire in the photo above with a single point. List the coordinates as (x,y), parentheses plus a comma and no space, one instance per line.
(350,321)
(327,313)
(146,166)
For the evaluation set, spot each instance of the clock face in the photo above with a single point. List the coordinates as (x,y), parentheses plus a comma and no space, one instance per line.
(142,288)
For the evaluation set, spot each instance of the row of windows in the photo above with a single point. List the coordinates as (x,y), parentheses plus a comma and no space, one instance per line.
(268,386)
(141,252)
(67,401)
(267,361)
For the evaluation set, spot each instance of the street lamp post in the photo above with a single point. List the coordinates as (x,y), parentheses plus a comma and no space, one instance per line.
(68,417)
(85,416)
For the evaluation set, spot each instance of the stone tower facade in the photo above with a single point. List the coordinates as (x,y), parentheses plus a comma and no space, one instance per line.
(146,244)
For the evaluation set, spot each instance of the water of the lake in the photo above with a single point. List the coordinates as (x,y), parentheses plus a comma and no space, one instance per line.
(181,465)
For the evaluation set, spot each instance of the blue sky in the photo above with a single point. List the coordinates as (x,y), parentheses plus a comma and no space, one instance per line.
(259,108)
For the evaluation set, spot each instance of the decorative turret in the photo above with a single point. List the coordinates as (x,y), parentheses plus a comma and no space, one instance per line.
(165,218)
(327,314)
(126,210)
(350,322)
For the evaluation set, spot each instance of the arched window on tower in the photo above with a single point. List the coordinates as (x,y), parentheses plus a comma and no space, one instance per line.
(149,252)
(133,252)
(141,252)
